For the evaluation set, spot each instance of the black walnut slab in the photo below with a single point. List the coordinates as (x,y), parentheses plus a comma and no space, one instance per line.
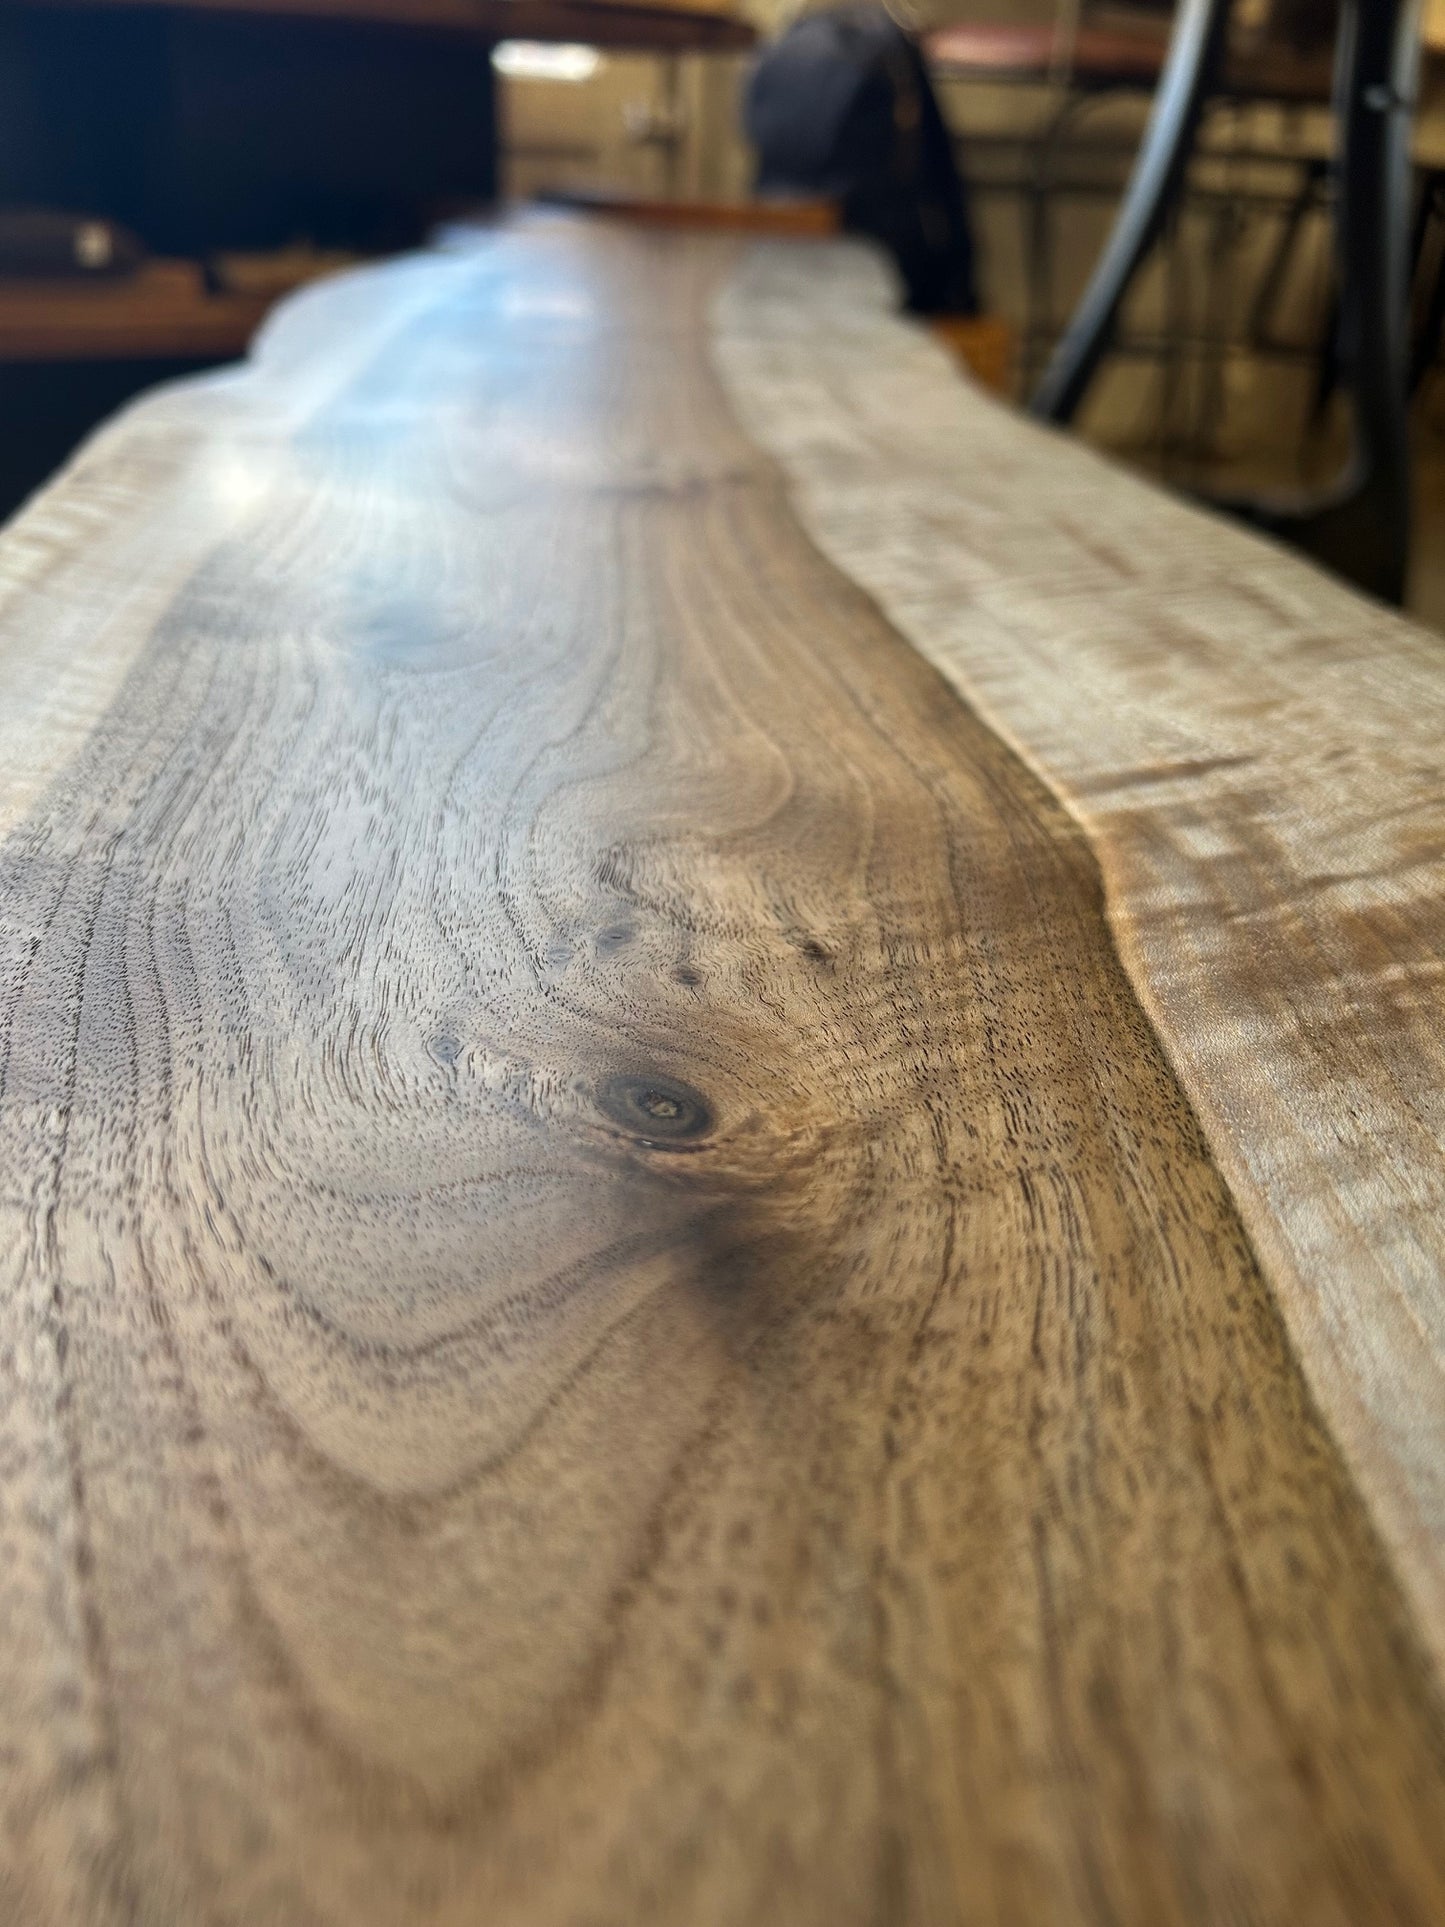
(616,1307)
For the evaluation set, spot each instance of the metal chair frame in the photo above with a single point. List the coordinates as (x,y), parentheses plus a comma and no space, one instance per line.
(1360,523)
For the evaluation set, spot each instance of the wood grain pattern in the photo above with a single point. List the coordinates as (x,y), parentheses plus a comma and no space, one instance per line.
(613,1313)
(1258,758)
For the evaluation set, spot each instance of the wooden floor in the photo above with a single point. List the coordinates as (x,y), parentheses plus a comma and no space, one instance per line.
(622,1304)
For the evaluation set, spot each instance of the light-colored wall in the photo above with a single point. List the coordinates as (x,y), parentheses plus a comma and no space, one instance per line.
(572,135)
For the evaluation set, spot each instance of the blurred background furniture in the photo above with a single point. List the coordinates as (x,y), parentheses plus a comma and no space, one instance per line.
(1360,521)
(1221,368)
(1111,52)
(206,124)
(249,144)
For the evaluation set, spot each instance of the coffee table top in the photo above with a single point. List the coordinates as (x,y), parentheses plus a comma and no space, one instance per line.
(722,1121)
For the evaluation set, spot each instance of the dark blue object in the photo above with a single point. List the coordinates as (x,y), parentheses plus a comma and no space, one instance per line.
(841,105)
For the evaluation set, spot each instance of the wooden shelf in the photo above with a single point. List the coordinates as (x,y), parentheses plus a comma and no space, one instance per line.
(164,311)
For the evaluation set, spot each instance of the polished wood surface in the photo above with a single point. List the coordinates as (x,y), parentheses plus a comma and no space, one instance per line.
(1258,758)
(619,1307)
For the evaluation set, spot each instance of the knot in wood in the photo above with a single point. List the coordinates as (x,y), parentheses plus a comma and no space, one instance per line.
(656,1108)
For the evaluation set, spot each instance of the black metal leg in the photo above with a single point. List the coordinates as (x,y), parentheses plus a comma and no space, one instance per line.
(1314,181)
(1327,369)
(1361,527)
(1427,342)
(1189,70)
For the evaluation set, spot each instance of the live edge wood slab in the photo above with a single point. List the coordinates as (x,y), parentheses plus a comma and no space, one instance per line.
(721,1139)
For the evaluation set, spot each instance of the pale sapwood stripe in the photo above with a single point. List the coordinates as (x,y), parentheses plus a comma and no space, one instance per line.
(1258,758)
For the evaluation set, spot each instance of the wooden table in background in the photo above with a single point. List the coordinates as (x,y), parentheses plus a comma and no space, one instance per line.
(722,1115)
